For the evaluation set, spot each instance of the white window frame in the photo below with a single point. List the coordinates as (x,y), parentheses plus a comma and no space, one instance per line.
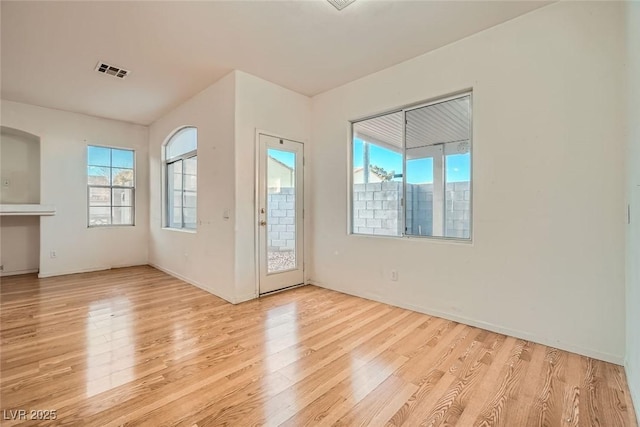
(111,187)
(404,110)
(165,167)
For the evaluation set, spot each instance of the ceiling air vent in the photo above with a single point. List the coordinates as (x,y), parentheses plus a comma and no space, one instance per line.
(340,4)
(112,70)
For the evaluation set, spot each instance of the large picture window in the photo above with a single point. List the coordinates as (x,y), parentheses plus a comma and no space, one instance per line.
(412,171)
(181,172)
(111,186)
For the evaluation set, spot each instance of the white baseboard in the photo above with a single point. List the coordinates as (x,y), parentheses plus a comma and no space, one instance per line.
(634,387)
(607,357)
(635,398)
(18,272)
(195,283)
(45,274)
(244,298)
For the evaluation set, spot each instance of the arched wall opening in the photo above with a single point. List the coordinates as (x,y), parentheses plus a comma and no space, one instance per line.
(19,185)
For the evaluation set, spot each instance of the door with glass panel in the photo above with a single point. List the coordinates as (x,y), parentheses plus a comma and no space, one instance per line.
(280,204)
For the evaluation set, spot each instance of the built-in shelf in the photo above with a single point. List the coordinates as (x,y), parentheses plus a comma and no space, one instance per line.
(27,210)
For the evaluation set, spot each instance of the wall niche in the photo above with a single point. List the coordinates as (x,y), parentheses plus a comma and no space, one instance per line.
(19,191)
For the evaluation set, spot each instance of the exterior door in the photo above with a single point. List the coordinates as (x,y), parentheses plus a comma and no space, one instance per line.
(280,213)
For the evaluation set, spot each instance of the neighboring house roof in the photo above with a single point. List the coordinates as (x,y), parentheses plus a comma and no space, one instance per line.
(358,176)
(283,164)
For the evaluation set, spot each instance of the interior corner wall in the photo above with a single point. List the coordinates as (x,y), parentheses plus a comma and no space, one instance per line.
(546,259)
(64,138)
(633,194)
(261,106)
(204,258)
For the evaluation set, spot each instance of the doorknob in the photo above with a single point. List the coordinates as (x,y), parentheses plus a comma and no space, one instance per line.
(263,222)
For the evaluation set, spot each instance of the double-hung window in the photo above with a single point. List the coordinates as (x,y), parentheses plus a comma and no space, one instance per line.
(411,171)
(181,172)
(111,186)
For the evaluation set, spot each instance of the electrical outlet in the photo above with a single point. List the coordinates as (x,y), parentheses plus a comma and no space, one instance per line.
(394,275)
(53,254)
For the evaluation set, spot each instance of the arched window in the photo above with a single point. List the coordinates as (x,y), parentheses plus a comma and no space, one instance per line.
(181,167)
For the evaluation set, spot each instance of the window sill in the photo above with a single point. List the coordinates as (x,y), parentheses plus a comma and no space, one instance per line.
(438,240)
(93,227)
(180,230)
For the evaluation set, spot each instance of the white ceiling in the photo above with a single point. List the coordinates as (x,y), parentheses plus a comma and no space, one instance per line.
(176,49)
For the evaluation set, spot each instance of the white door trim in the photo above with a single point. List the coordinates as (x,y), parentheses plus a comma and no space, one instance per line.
(256,203)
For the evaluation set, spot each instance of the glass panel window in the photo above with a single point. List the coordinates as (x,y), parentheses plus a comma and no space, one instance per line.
(122,177)
(181,179)
(419,197)
(122,215)
(99,175)
(281,210)
(122,159)
(441,134)
(99,196)
(377,176)
(430,196)
(99,156)
(458,195)
(183,141)
(189,195)
(99,216)
(111,186)
(174,193)
(122,197)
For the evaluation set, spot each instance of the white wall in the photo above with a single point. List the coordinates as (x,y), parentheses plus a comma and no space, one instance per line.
(63,183)
(546,259)
(19,244)
(220,255)
(264,106)
(633,194)
(206,257)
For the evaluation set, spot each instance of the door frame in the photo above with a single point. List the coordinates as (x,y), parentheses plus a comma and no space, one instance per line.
(256,201)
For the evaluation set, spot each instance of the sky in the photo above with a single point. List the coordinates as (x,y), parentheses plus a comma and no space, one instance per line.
(104,164)
(286,157)
(103,156)
(418,171)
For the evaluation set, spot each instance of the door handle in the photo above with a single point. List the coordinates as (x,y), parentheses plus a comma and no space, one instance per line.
(263,222)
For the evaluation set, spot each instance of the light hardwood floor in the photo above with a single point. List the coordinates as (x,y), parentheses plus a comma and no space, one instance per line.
(137,347)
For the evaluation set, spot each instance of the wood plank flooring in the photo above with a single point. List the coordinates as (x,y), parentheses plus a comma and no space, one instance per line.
(135,346)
